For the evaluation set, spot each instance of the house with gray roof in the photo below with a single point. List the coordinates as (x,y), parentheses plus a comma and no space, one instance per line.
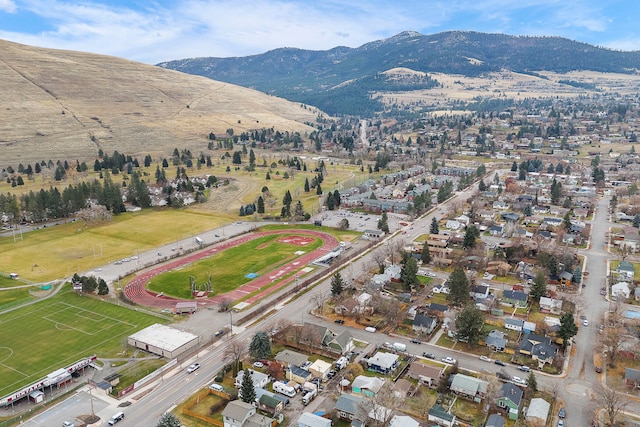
(426,374)
(307,419)
(495,420)
(539,347)
(632,377)
(626,270)
(469,387)
(510,399)
(496,340)
(240,414)
(259,379)
(367,386)
(342,343)
(515,298)
(513,324)
(383,362)
(350,407)
(538,411)
(289,357)
(424,324)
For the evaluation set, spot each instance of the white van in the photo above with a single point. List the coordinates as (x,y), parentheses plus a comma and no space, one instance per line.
(117,417)
(370,329)
(216,387)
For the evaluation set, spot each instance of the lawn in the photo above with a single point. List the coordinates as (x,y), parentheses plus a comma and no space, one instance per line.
(228,268)
(13,297)
(59,251)
(342,235)
(58,331)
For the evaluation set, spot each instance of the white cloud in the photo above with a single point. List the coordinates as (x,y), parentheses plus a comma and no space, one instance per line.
(8,6)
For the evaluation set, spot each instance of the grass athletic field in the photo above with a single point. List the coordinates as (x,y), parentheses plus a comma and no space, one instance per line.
(39,339)
(229,269)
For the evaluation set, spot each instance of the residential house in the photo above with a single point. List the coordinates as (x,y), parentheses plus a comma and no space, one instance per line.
(510,399)
(632,377)
(552,222)
(503,206)
(496,230)
(539,347)
(550,304)
(401,388)
(270,404)
(240,414)
(350,407)
(513,324)
(479,292)
(469,387)
(259,379)
(289,357)
(625,270)
(515,298)
(367,386)
(316,335)
(383,362)
(631,239)
(342,343)
(298,374)
(538,411)
(495,420)
(425,374)
(320,369)
(566,278)
(403,421)
(452,224)
(510,216)
(496,340)
(438,308)
(621,290)
(424,325)
(438,415)
(307,419)
(463,219)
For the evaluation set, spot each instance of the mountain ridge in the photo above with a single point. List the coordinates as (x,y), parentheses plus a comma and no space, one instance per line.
(312,76)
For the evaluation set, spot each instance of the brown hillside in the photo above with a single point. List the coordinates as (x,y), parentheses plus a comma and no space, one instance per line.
(66,105)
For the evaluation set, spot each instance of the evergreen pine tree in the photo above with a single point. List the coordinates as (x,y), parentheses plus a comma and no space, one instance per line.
(247,390)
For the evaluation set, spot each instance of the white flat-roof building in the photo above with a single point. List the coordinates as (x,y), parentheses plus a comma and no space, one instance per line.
(163,340)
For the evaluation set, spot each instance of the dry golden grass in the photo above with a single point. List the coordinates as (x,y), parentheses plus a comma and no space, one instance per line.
(68,105)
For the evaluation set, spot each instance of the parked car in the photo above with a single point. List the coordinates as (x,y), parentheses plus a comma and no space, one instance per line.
(415,341)
(562,413)
(518,380)
(524,368)
(193,368)
(219,333)
(339,321)
(332,373)
(429,355)
(560,423)
(603,291)
(258,365)
(68,424)
(585,322)
(499,362)
(449,359)
(486,359)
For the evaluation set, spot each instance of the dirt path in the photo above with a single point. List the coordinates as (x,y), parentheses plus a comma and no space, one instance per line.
(229,198)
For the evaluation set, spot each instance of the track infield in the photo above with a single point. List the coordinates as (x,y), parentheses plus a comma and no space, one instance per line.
(274,269)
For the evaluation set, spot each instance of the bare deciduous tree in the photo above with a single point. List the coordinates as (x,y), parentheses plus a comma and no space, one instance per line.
(224,304)
(234,352)
(611,340)
(383,405)
(378,257)
(318,299)
(612,402)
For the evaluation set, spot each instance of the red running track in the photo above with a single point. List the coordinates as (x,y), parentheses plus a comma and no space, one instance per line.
(137,292)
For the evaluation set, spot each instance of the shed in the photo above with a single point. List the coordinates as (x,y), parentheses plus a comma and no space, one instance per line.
(36,396)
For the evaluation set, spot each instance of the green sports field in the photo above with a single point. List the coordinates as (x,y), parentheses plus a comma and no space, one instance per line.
(229,267)
(62,330)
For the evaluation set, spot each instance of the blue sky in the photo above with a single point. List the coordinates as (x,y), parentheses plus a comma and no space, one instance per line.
(155,31)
